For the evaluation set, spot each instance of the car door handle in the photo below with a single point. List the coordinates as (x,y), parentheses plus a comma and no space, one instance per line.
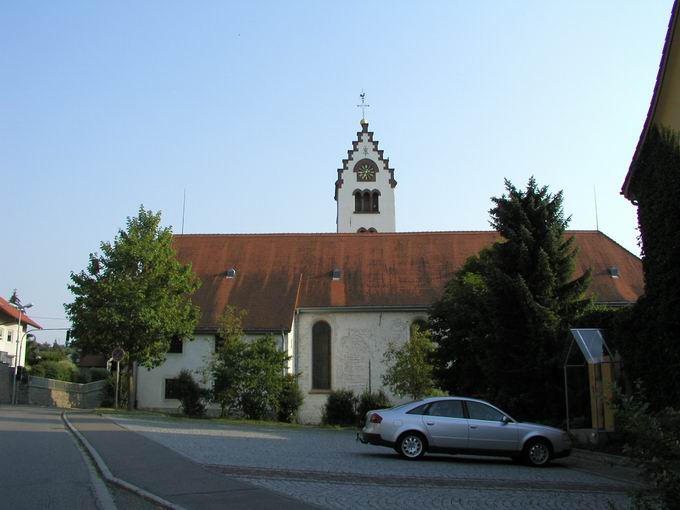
(430,422)
(473,426)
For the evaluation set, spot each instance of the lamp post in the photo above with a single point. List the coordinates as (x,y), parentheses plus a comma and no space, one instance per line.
(22,311)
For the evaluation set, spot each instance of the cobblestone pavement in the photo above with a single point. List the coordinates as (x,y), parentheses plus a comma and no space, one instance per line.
(329,468)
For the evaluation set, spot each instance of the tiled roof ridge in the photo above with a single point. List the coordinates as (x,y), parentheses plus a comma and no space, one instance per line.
(354,234)
(618,244)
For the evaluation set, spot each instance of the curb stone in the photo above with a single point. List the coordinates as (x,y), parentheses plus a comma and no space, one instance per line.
(109,477)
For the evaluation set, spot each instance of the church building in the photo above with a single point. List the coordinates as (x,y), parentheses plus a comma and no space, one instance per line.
(334,301)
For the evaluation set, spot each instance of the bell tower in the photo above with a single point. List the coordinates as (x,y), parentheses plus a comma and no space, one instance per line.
(364,191)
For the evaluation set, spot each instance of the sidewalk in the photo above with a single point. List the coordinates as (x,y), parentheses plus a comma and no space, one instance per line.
(161,471)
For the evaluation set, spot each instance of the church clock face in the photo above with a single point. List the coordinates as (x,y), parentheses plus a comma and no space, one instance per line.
(365,172)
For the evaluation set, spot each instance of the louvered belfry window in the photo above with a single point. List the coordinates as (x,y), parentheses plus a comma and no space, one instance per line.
(321,356)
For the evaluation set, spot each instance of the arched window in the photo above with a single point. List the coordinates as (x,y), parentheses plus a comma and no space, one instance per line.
(366,206)
(362,230)
(357,201)
(375,207)
(372,230)
(321,356)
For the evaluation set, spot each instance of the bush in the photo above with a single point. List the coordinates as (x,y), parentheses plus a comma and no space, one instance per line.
(63,370)
(98,374)
(52,355)
(190,394)
(369,401)
(340,408)
(37,370)
(653,443)
(290,399)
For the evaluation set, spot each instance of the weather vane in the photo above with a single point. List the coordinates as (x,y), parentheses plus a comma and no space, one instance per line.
(363,104)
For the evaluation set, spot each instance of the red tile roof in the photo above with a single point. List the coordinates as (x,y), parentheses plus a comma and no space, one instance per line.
(277,273)
(9,314)
(92,361)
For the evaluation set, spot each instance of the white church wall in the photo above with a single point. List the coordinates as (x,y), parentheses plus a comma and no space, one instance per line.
(356,338)
(348,220)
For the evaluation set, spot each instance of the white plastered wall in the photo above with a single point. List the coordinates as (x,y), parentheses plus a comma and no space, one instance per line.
(194,357)
(348,220)
(9,348)
(356,338)
(151,383)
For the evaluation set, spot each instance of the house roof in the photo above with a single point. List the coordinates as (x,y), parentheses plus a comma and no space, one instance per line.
(92,361)
(658,90)
(278,273)
(9,314)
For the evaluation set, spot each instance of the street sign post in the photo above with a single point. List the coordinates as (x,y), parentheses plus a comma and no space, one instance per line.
(117,355)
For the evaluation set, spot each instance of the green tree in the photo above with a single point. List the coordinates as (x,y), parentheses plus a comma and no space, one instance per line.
(135,295)
(264,379)
(409,371)
(248,376)
(501,325)
(227,364)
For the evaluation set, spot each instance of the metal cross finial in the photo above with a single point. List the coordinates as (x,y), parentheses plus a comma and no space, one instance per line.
(363,104)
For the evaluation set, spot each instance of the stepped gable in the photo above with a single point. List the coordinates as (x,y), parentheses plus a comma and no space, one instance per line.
(351,153)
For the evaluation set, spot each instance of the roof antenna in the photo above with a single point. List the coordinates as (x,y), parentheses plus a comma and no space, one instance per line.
(184,203)
(597,221)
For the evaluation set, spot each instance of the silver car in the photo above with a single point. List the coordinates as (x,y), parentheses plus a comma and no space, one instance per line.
(462,425)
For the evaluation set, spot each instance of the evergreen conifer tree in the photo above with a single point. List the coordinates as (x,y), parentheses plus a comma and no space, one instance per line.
(501,325)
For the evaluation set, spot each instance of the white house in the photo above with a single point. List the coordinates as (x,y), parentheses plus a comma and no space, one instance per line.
(13,337)
(336,300)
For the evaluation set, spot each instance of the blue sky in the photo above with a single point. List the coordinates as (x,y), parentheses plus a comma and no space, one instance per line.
(250,107)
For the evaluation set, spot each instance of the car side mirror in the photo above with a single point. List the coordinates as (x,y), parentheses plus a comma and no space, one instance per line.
(505,420)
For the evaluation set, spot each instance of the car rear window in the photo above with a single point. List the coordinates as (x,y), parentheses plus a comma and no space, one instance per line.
(419,410)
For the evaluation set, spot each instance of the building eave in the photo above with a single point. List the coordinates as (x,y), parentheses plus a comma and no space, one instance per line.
(626,190)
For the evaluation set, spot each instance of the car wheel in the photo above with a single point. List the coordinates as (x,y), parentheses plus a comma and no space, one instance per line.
(537,452)
(411,446)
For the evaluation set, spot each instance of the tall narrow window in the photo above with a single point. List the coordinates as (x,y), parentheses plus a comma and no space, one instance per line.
(321,356)
(357,201)
(375,204)
(367,201)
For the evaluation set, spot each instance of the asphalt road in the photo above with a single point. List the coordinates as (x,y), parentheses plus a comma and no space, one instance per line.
(40,464)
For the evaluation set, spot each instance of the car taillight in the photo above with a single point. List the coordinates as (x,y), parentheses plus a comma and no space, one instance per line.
(375,418)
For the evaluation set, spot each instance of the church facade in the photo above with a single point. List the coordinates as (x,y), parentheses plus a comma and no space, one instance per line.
(335,301)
